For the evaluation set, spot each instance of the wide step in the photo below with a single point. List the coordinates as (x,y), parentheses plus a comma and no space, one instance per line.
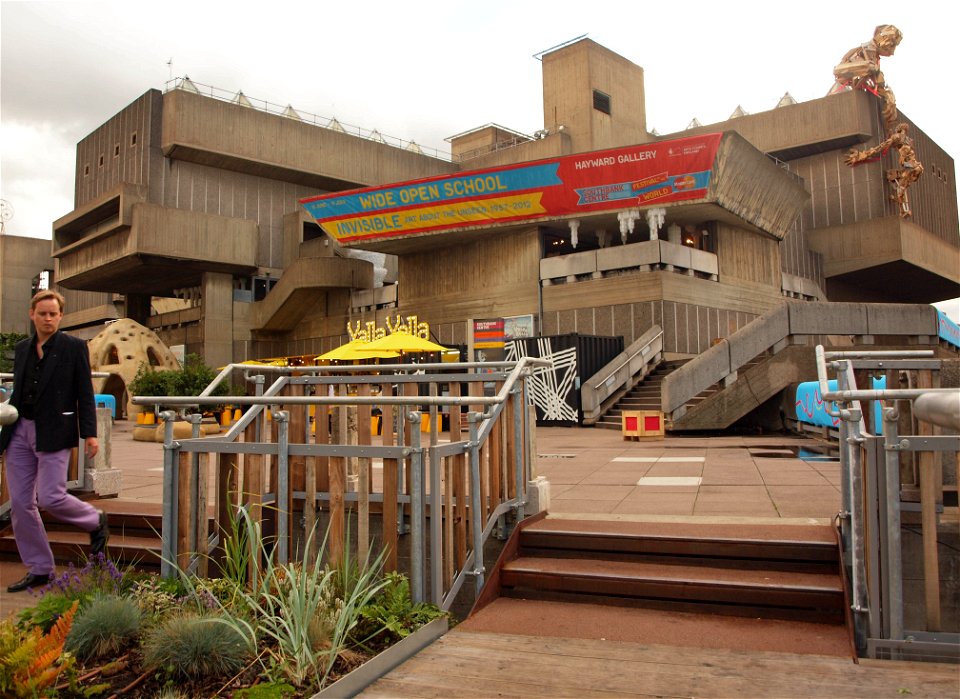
(813,546)
(778,572)
(683,583)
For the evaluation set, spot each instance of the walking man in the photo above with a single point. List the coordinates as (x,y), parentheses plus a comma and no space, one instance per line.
(53,393)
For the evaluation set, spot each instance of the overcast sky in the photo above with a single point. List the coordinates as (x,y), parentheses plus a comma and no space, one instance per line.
(426,70)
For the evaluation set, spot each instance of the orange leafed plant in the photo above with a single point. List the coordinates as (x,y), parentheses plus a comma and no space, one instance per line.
(42,652)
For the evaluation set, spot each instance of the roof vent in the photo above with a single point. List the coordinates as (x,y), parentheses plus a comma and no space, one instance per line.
(291,113)
(187,85)
(694,124)
(738,112)
(786,100)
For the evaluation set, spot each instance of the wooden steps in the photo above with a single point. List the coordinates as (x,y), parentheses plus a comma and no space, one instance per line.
(706,572)
(134,536)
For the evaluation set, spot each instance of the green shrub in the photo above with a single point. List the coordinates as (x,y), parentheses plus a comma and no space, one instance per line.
(7,343)
(44,614)
(191,380)
(107,624)
(392,615)
(196,647)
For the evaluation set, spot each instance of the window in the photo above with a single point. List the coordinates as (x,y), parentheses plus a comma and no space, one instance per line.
(133,138)
(262,286)
(601,102)
(100,163)
(311,231)
(86,170)
(116,151)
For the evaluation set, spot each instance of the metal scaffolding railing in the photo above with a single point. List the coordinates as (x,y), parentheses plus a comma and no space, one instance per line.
(872,503)
(450,496)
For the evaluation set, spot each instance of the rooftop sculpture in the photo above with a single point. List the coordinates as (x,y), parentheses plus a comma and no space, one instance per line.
(860,68)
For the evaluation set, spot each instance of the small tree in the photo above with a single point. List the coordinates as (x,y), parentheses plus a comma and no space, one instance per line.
(7,342)
(188,381)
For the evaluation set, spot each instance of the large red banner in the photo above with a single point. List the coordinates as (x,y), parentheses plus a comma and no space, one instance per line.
(644,175)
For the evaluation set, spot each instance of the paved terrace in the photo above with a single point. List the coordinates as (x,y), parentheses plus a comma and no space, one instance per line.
(595,473)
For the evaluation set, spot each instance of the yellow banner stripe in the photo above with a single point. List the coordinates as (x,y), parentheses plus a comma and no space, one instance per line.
(440,216)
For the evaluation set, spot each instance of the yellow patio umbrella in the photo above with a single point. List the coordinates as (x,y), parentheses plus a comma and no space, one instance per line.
(354,350)
(404,342)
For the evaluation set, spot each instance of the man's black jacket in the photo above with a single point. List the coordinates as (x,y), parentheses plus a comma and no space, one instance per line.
(65,409)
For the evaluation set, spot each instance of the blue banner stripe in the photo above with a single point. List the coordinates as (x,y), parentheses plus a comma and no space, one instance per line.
(624,190)
(519,179)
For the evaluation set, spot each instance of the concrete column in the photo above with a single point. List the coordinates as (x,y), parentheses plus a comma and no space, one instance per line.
(673,234)
(137,307)
(217,293)
(100,476)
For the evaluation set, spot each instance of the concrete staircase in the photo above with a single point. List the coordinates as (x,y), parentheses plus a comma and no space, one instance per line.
(644,396)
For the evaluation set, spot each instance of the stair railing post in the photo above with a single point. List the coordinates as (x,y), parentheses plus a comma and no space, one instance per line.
(853,417)
(282,420)
(168,526)
(519,466)
(194,533)
(473,418)
(892,603)
(416,510)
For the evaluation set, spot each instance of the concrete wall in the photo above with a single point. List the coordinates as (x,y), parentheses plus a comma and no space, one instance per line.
(124,150)
(571,74)
(21,259)
(229,136)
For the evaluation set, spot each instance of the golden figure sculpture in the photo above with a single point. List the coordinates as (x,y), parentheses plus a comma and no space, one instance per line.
(902,177)
(860,67)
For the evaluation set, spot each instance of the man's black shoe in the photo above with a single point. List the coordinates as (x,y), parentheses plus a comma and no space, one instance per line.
(29,581)
(100,536)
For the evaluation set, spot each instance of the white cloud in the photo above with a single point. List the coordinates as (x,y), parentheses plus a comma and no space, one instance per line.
(36,166)
(428,69)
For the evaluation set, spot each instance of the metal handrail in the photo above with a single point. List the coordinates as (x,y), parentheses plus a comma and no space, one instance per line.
(423,461)
(872,393)
(871,503)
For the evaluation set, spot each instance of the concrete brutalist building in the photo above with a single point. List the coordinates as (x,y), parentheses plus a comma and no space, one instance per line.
(187,219)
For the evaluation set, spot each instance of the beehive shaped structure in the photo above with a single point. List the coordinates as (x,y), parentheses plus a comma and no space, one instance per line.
(119,350)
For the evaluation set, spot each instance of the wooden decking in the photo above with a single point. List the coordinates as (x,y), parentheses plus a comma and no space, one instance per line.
(469,664)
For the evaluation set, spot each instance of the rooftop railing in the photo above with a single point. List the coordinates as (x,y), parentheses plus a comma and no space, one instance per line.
(290,112)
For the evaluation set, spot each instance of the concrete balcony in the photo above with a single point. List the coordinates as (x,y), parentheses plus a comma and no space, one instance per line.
(888,259)
(648,256)
(122,244)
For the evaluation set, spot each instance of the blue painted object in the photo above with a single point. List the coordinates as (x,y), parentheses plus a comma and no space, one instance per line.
(105,400)
(948,330)
(811,408)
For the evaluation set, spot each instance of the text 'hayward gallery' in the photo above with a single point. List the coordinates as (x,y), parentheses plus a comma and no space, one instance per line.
(240,231)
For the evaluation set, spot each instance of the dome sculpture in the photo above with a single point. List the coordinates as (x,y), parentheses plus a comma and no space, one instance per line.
(119,349)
